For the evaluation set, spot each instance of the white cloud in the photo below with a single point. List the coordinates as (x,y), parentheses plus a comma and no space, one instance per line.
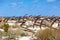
(51,0)
(13,4)
(20,2)
(35,1)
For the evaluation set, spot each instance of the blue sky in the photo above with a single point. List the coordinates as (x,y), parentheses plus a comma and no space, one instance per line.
(30,7)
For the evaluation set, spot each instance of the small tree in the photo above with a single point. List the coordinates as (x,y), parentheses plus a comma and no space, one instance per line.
(6,26)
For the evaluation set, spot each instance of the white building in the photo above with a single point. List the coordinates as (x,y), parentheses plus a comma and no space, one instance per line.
(55,25)
(11,22)
(29,22)
(2,30)
(35,29)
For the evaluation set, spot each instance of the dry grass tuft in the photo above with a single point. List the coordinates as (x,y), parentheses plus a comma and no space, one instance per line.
(48,34)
